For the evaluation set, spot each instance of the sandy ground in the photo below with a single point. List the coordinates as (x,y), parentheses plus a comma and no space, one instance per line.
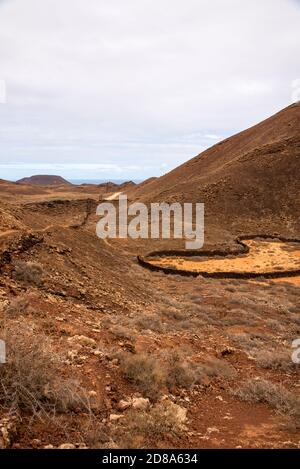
(264,256)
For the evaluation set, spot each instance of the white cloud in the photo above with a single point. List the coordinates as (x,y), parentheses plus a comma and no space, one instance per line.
(124,82)
(212,136)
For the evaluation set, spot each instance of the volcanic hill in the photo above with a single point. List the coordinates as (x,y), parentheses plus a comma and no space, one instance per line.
(44,180)
(248,182)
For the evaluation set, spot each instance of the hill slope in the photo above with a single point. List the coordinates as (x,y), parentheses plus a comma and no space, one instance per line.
(248,181)
(44,180)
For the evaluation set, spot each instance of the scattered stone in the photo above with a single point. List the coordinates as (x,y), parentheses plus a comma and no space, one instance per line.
(49,447)
(36,442)
(8,430)
(67,446)
(227,351)
(227,417)
(176,410)
(115,417)
(72,354)
(81,446)
(123,405)
(213,430)
(83,340)
(140,403)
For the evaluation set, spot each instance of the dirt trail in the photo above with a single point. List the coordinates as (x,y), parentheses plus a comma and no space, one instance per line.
(113,196)
(4,234)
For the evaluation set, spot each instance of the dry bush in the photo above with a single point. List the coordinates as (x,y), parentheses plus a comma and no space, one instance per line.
(151,323)
(274,324)
(94,433)
(28,272)
(170,370)
(275,360)
(122,333)
(248,341)
(238,316)
(194,298)
(216,368)
(145,372)
(179,372)
(173,313)
(142,426)
(275,395)
(17,306)
(31,377)
(296,319)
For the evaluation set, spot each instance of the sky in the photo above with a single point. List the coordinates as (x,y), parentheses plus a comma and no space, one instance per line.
(130,89)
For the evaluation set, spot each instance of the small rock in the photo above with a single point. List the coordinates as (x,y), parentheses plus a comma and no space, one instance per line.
(227,351)
(123,405)
(48,447)
(115,417)
(72,354)
(83,340)
(140,403)
(81,446)
(67,446)
(178,412)
(227,417)
(36,442)
(8,429)
(213,430)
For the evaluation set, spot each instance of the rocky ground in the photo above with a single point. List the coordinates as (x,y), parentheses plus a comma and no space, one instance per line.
(103,353)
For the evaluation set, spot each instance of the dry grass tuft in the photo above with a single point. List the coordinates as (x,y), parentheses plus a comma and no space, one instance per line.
(28,272)
(216,368)
(145,372)
(275,395)
(169,371)
(122,332)
(31,378)
(149,322)
(180,372)
(17,306)
(275,360)
(148,426)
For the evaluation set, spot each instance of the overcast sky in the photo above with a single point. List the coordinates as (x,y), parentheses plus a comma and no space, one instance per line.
(125,89)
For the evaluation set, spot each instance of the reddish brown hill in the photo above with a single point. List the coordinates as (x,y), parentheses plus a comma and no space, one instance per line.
(44,180)
(249,181)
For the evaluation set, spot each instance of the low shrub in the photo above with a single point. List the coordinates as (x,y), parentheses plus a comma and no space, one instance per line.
(31,379)
(28,272)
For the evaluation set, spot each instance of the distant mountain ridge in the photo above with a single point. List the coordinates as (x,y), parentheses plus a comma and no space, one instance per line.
(44,180)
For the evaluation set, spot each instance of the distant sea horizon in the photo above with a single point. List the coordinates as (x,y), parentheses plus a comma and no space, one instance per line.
(78,182)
